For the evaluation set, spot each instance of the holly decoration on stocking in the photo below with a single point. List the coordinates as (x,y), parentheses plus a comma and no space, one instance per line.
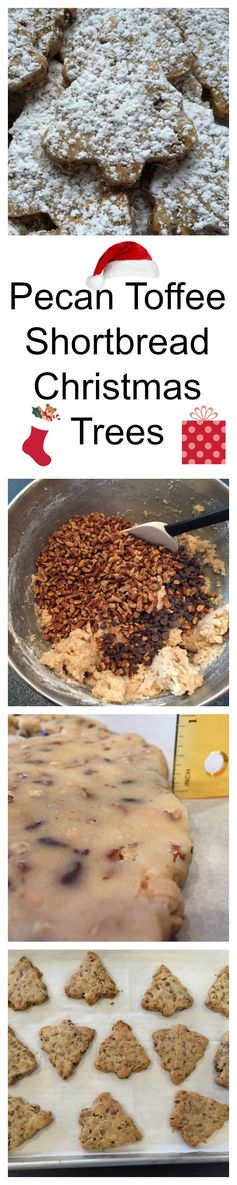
(33,446)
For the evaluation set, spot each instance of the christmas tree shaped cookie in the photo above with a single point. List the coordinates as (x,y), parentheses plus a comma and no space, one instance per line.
(25,1120)
(78,202)
(197,1117)
(97,38)
(106,1125)
(218,995)
(121,1052)
(65,1043)
(167,994)
(20,1059)
(101,124)
(91,981)
(26,986)
(179,1050)
(33,37)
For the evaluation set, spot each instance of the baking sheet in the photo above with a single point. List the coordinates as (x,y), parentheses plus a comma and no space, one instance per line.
(148,1095)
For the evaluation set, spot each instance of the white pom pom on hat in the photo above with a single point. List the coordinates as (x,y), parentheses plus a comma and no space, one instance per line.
(123,259)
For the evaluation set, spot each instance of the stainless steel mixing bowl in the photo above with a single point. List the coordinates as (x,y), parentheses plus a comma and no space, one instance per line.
(40,508)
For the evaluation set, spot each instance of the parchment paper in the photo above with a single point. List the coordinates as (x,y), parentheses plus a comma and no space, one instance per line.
(149,1095)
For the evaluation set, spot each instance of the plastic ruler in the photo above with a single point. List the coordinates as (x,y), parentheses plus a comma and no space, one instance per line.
(201,759)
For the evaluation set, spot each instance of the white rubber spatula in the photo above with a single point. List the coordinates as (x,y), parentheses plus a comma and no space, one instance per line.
(164,534)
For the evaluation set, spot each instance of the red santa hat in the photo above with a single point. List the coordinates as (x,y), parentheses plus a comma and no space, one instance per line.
(123,259)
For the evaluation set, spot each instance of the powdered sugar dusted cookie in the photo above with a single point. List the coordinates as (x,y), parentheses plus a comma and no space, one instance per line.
(192,196)
(132,119)
(26,66)
(77,202)
(206,32)
(45,27)
(103,37)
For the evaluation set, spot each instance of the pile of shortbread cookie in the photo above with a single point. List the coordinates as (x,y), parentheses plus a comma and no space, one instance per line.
(118,121)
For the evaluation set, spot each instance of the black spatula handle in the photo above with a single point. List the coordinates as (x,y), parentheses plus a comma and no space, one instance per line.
(198,520)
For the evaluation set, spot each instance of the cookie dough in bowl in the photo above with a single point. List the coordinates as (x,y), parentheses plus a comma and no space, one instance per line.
(106,617)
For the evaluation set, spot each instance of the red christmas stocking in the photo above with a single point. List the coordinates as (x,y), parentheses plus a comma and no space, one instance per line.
(34,446)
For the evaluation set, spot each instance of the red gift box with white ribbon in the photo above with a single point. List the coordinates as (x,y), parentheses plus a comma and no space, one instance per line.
(203,438)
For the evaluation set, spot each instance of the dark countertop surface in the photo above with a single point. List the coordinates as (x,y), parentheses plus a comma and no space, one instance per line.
(20,694)
(211,1169)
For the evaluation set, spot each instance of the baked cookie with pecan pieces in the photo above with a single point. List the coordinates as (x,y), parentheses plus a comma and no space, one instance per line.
(106,1125)
(197,1117)
(121,1053)
(179,1050)
(166,994)
(25,1120)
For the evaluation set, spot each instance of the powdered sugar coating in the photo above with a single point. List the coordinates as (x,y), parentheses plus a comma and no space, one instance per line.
(206,35)
(192,198)
(110,36)
(37,186)
(113,93)
(119,127)
(44,26)
(25,65)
